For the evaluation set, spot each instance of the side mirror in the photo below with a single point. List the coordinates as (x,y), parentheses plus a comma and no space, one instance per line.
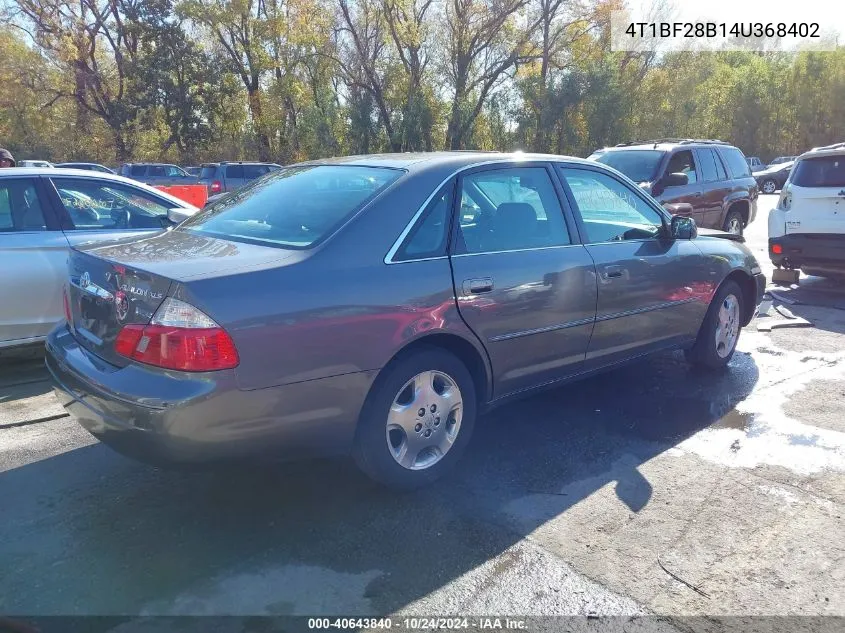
(178,215)
(676,179)
(682,228)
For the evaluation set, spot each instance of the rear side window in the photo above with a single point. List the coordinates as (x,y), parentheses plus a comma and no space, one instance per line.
(234,171)
(157,170)
(20,209)
(737,165)
(824,171)
(428,237)
(251,172)
(137,170)
(709,160)
(294,208)
(208,172)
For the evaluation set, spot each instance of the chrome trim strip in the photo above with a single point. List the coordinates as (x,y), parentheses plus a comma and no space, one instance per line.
(388,259)
(539,330)
(659,306)
(93,289)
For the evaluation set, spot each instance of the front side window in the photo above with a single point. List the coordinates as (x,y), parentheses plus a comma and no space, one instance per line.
(296,207)
(609,209)
(683,163)
(175,172)
(428,237)
(510,209)
(20,209)
(824,171)
(640,165)
(97,205)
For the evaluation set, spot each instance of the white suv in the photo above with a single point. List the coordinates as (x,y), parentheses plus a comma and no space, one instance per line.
(807,227)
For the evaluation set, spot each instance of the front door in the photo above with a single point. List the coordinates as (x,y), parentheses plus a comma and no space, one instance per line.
(684,162)
(524,286)
(651,290)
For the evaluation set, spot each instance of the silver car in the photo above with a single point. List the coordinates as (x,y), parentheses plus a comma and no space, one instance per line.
(44,211)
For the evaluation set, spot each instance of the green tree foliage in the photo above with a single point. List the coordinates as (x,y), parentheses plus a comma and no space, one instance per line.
(288,80)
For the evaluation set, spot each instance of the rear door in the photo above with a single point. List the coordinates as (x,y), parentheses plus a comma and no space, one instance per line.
(817,188)
(714,188)
(33,260)
(652,291)
(525,286)
(683,161)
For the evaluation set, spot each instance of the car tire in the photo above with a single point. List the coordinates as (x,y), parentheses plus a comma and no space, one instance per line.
(717,338)
(733,223)
(768,186)
(391,419)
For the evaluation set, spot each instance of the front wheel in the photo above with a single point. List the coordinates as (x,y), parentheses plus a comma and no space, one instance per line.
(417,420)
(720,330)
(769,186)
(733,223)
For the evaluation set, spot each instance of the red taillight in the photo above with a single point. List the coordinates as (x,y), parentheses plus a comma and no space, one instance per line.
(179,337)
(66,302)
(777,249)
(216,186)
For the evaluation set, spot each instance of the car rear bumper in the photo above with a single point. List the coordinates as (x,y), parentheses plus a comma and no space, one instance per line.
(819,251)
(173,417)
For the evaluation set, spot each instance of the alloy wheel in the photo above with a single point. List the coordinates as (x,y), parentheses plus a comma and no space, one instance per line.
(727,326)
(424,420)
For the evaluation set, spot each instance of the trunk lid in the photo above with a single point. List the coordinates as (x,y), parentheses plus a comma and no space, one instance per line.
(104,296)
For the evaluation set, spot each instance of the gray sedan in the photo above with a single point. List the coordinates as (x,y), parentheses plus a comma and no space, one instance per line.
(45,211)
(377,304)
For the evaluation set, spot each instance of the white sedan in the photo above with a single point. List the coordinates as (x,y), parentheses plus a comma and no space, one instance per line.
(43,212)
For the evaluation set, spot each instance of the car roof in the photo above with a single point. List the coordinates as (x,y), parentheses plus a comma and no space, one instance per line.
(53,172)
(837,149)
(422,161)
(665,145)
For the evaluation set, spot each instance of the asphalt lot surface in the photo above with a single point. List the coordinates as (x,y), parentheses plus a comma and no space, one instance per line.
(650,489)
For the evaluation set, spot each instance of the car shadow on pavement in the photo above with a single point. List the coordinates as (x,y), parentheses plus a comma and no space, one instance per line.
(90,532)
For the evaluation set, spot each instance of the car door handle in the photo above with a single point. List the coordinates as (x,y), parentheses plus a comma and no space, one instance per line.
(611,272)
(477,286)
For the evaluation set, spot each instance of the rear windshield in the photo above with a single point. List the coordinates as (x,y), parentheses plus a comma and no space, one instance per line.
(208,172)
(640,165)
(295,207)
(824,171)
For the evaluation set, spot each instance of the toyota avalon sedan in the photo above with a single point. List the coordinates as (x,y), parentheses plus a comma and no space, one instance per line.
(375,305)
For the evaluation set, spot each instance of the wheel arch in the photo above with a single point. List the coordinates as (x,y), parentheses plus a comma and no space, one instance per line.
(475,359)
(742,205)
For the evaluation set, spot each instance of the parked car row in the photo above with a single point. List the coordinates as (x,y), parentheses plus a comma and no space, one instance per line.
(371,305)
(217,177)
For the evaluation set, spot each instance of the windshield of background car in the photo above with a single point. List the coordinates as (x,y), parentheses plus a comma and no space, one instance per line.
(640,165)
(293,208)
(824,171)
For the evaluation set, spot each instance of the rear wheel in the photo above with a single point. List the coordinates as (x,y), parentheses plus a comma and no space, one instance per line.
(720,330)
(733,223)
(417,421)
